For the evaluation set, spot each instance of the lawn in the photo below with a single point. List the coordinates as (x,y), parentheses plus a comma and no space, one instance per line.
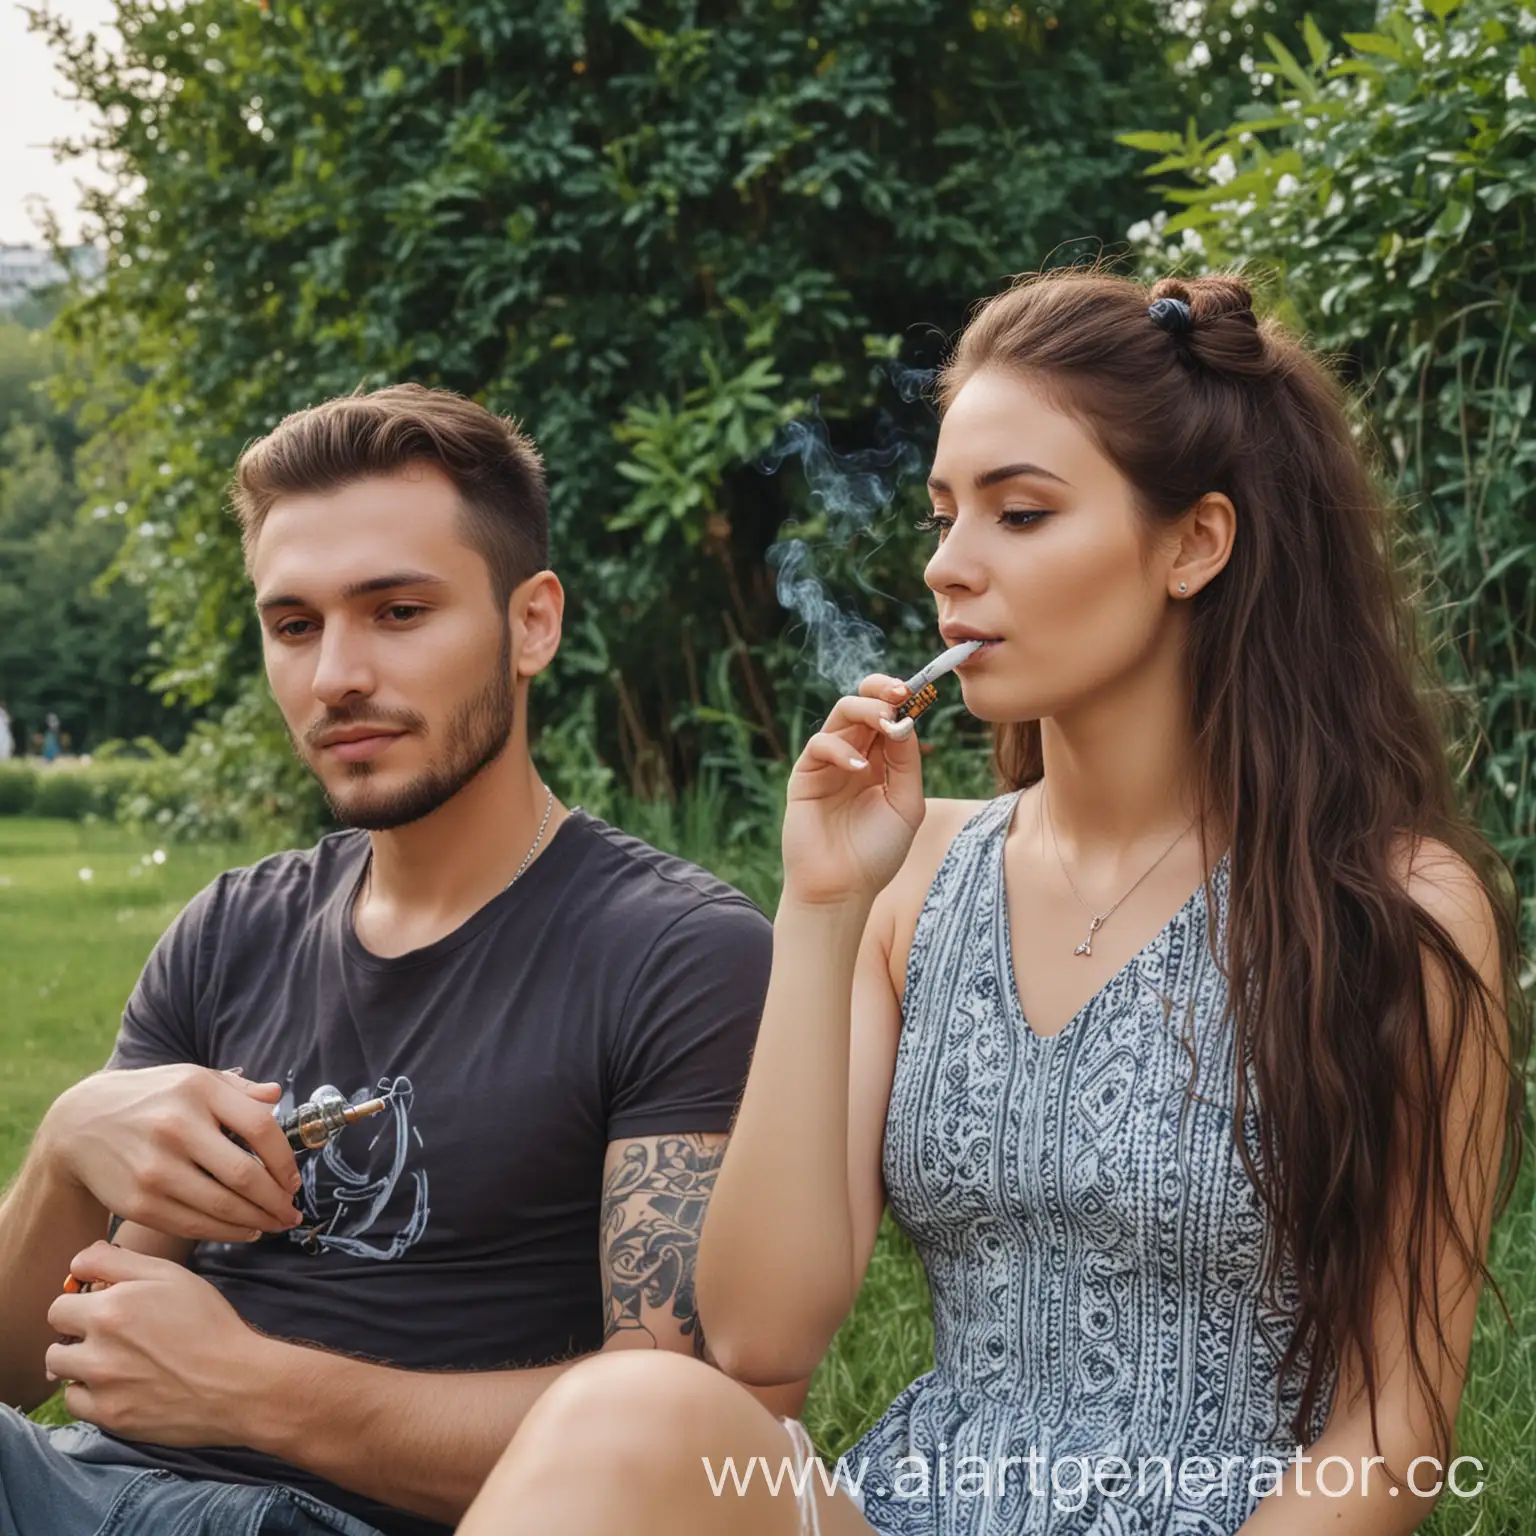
(81,906)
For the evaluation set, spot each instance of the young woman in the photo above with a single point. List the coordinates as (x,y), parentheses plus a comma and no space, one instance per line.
(1190,1242)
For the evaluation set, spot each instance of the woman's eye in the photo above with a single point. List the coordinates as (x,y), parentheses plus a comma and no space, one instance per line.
(932,524)
(1022,517)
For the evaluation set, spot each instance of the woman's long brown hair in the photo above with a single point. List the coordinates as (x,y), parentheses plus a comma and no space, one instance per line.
(1321,741)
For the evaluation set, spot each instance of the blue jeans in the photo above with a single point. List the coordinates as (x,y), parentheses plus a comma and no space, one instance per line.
(47,1489)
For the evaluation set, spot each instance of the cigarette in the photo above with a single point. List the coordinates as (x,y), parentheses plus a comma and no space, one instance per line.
(921,694)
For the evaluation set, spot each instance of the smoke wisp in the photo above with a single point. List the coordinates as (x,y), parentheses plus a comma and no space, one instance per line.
(851,491)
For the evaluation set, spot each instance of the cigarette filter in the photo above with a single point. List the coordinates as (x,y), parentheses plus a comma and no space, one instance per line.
(921,694)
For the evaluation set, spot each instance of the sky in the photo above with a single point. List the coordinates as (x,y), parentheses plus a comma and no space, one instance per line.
(33,112)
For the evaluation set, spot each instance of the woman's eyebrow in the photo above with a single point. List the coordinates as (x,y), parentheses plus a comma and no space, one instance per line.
(996,476)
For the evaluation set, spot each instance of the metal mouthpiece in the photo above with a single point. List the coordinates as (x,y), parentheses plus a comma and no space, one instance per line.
(313,1124)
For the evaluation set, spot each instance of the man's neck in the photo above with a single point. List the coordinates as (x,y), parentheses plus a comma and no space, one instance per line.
(428,878)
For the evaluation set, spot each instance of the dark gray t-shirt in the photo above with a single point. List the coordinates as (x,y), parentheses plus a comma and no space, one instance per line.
(613,991)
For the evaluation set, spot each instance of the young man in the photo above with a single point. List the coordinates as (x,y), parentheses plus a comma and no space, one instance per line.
(557,1017)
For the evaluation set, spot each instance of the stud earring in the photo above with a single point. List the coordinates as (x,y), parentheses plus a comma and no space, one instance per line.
(1183,586)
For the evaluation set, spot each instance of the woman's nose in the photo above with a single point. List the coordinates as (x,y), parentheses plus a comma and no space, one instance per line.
(956,563)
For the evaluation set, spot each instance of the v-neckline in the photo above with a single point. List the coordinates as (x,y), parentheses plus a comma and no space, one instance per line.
(1004,940)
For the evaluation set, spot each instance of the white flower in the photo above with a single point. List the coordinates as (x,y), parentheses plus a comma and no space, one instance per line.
(1139,231)
(1287,186)
(1514,88)
(1224,170)
(86,874)
(158,855)
(1192,240)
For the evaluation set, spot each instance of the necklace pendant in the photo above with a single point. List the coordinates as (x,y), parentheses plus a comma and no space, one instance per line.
(1086,947)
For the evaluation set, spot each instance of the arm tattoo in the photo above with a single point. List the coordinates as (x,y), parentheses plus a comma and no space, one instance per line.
(654,1199)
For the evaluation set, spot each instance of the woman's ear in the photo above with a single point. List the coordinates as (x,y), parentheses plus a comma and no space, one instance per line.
(1203,545)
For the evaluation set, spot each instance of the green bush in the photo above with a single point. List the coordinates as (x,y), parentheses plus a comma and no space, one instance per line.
(236,779)
(1391,191)
(67,794)
(18,789)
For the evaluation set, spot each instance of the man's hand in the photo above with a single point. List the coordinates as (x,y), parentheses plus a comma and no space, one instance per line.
(149,1144)
(155,1355)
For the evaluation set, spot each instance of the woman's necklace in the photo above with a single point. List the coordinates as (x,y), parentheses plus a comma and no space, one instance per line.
(549,805)
(1099,918)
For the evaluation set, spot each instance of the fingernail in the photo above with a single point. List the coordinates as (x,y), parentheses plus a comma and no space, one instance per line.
(897,691)
(235,1071)
(296,1183)
(897,730)
(253,1237)
(859,764)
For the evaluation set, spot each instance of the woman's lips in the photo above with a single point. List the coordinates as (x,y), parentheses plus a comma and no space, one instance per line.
(975,656)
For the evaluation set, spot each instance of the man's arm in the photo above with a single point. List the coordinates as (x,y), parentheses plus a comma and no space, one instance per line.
(160,1349)
(149,1145)
(655,1192)
(45,1220)
(157,1354)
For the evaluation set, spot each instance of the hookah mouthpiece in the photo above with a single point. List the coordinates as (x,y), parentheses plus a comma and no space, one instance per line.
(326,1114)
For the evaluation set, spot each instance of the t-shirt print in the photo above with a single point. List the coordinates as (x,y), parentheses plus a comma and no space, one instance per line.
(361,1195)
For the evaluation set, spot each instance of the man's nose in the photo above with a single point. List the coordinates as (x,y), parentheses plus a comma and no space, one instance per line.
(343,667)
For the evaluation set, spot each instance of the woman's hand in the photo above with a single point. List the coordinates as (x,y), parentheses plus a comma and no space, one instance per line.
(855,799)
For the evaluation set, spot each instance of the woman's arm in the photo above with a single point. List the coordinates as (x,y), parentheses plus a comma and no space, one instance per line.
(1358,1498)
(783,1248)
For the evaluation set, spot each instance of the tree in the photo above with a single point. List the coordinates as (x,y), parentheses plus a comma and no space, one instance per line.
(654,236)
(1390,190)
(68,643)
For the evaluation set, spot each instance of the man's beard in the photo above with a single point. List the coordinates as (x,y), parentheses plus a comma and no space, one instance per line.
(477,735)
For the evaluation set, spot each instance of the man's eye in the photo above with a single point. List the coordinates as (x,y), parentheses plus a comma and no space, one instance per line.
(290,629)
(404,612)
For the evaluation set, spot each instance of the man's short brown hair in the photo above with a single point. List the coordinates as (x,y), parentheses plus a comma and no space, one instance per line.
(495,467)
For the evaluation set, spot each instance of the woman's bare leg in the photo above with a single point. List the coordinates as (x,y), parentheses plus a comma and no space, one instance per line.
(620,1442)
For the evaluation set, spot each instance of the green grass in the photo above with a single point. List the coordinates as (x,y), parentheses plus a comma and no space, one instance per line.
(71,949)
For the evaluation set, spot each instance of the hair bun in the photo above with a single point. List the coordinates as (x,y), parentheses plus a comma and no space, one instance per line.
(1222,333)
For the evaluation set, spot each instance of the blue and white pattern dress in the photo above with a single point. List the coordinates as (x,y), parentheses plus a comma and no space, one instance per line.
(1092,1241)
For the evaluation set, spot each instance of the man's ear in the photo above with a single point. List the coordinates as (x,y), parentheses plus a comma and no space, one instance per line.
(536,611)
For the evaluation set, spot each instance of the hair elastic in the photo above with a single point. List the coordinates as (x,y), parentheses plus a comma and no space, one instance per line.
(1171,315)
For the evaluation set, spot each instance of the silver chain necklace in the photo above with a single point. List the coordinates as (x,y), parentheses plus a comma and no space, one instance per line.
(549,805)
(1099,918)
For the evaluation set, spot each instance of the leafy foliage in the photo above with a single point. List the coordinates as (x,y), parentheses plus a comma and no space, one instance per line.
(654,236)
(68,644)
(1391,190)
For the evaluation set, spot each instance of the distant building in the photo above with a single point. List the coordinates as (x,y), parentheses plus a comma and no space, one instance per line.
(28,269)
